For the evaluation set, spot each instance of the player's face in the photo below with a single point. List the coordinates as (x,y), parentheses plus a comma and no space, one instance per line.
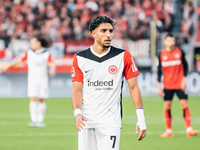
(35,44)
(103,35)
(170,42)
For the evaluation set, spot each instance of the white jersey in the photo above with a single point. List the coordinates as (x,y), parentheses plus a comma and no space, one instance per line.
(102,77)
(37,68)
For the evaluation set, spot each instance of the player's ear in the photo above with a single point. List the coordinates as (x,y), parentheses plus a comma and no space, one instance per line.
(93,33)
(165,42)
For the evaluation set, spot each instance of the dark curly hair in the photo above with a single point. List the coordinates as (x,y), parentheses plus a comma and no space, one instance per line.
(99,20)
(169,35)
(44,40)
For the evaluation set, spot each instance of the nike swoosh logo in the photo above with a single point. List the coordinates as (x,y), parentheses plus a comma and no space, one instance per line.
(87,71)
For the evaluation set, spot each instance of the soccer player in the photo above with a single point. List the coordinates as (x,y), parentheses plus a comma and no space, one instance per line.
(39,59)
(173,65)
(97,76)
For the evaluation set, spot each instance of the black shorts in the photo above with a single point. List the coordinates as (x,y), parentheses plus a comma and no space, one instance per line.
(169,94)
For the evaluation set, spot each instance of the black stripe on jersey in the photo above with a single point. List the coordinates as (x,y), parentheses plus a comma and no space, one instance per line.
(89,55)
(121,99)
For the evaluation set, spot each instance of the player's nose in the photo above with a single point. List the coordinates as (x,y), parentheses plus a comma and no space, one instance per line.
(108,34)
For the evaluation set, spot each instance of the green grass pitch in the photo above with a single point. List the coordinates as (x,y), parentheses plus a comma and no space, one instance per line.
(60,132)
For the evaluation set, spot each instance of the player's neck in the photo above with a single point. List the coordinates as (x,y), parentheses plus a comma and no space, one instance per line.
(38,49)
(169,49)
(99,49)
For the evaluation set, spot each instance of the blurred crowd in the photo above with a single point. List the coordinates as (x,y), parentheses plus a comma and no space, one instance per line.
(68,20)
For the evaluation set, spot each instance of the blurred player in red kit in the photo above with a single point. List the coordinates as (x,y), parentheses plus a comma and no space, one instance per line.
(173,65)
(39,59)
(97,74)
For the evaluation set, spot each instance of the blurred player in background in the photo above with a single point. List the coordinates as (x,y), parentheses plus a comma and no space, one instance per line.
(173,65)
(97,76)
(39,59)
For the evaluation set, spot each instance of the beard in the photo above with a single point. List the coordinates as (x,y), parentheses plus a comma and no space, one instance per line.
(106,46)
(102,44)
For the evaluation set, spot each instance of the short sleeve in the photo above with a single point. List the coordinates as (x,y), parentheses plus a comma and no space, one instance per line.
(24,56)
(130,68)
(50,59)
(77,74)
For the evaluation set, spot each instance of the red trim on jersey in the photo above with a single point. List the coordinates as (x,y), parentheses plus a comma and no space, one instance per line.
(77,74)
(25,56)
(50,58)
(130,68)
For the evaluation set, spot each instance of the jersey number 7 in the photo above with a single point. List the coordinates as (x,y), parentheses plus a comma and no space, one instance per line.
(114,140)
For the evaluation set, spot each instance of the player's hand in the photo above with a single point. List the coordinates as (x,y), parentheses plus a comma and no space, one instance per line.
(52,69)
(3,68)
(52,72)
(80,121)
(142,133)
(160,91)
(183,84)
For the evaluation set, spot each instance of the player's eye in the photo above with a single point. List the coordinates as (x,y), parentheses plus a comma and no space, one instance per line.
(111,30)
(103,30)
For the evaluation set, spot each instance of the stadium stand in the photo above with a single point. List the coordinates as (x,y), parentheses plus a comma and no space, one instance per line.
(68,19)
(140,27)
(66,23)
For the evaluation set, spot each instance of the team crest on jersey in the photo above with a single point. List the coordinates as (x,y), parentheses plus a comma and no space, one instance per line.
(112,69)
(177,55)
(73,72)
(164,57)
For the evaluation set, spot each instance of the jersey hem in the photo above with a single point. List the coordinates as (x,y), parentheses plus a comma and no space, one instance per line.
(133,76)
(87,127)
(77,81)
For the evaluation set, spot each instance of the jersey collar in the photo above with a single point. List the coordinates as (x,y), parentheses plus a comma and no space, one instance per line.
(42,50)
(99,55)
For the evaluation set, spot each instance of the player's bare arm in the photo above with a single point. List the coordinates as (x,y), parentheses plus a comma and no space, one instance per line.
(137,100)
(77,96)
(160,90)
(52,69)
(183,84)
(16,61)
